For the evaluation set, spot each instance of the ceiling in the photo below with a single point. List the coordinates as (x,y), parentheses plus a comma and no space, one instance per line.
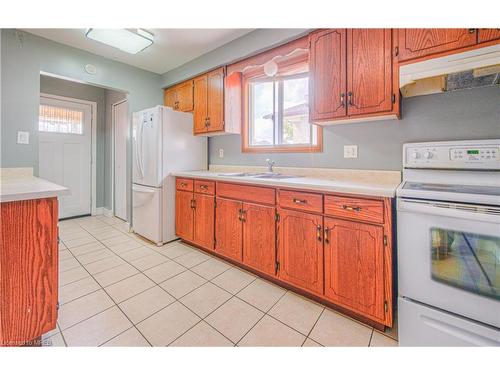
(171,47)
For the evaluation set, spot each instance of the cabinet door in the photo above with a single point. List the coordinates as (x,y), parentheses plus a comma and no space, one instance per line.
(259,237)
(169,97)
(228,228)
(29,270)
(185,96)
(204,216)
(215,96)
(414,43)
(200,104)
(327,78)
(300,250)
(369,71)
(354,266)
(184,215)
(485,35)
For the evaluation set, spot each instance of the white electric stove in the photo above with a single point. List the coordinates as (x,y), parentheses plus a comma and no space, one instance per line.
(448,225)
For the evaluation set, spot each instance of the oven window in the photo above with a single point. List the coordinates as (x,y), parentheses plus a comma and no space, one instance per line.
(467,261)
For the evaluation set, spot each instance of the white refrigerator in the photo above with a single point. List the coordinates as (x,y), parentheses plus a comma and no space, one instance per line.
(162,143)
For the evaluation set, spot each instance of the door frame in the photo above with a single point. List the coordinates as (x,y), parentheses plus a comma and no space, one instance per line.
(113,140)
(93,147)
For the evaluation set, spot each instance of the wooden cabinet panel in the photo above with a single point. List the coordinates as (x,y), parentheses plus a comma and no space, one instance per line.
(327,79)
(184,184)
(415,43)
(29,270)
(184,215)
(215,100)
(204,212)
(354,266)
(228,228)
(169,97)
(259,237)
(184,93)
(300,249)
(485,35)
(369,71)
(355,208)
(204,187)
(247,193)
(298,200)
(200,112)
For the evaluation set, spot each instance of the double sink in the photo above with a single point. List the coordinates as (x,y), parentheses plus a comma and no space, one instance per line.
(258,175)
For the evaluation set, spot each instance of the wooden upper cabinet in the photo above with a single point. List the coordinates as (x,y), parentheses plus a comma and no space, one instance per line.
(354,266)
(300,250)
(259,231)
(169,97)
(485,35)
(327,64)
(204,220)
(180,97)
(369,71)
(184,214)
(228,228)
(415,43)
(200,112)
(215,100)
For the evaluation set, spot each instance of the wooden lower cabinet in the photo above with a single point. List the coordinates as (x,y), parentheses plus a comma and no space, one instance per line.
(28,270)
(259,237)
(354,266)
(300,249)
(203,227)
(228,228)
(486,35)
(184,215)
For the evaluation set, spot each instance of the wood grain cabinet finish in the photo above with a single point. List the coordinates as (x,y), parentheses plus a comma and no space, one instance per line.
(297,200)
(200,112)
(369,71)
(204,187)
(180,97)
(259,237)
(415,43)
(328,73)
(486,35)
(300,249)
(354,266)
(203,217)
(28,270)
(184,215)
(184,184)
(355,208)
(215,101)
(228,228)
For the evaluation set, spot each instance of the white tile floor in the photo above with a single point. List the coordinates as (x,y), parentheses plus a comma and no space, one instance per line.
(118,290)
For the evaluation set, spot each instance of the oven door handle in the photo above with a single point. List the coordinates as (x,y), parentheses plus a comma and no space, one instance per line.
(489,214)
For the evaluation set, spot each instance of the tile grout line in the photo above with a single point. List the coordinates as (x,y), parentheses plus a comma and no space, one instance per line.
(314,325)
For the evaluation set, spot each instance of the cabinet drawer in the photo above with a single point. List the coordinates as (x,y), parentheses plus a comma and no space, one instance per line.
(246,193)
(355,208)
(204,187)
(301,201)
(184,184)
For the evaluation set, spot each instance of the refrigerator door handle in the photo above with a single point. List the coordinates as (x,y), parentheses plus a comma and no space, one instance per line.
(140,150)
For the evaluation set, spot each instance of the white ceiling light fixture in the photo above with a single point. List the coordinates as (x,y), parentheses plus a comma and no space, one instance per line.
(131,41)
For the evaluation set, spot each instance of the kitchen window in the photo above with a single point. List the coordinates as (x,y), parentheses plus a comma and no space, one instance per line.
(277,116)
(54,119)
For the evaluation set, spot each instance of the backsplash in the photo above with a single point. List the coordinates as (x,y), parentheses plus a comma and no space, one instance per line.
(465,114)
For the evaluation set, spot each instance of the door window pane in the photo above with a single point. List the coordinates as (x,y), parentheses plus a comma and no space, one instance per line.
(467,261)
(60,120)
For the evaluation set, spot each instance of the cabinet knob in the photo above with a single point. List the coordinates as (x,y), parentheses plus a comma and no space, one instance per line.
(204,187)
(472,31)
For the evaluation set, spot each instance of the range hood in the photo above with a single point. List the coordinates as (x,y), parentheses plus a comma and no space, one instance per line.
(476,68)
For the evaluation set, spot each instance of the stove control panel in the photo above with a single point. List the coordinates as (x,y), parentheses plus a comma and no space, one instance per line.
(483,154)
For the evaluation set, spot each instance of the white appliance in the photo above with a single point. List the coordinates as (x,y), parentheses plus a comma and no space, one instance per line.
(448,225)
(162,143)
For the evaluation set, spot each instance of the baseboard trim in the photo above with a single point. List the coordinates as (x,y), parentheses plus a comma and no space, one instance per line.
(98,211)
(107,212)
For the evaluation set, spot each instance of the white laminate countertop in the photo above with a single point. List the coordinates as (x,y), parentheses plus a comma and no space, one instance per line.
(21,188)
(379,187)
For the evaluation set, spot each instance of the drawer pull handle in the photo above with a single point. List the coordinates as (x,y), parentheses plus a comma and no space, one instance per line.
(351,208)
(299,201)
(183,184)
(327,235)
(318,232)
(204,187)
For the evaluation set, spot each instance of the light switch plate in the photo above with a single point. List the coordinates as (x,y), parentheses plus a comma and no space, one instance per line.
(23,138)
(221,153)
(350,152)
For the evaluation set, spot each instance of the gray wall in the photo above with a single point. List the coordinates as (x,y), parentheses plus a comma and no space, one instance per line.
(244,46)
(24,56)
(55,86)
(466,114)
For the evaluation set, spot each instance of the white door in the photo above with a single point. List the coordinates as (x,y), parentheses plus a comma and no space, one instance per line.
(64,151)
(120,119)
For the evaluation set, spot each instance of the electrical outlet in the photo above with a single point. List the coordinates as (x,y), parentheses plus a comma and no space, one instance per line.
(351,152)
(221,153)
(23,138)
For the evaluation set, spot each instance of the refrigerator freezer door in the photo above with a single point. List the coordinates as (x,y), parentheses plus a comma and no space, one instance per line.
(146,147)
(146,212)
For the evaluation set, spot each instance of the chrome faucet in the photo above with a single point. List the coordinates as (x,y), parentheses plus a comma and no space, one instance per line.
(270,165)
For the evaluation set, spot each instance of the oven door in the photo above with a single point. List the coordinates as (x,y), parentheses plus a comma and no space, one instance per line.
(449,257)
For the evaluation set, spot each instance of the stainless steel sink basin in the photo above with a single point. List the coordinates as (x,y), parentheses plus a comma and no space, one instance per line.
(240,174)
(274,175)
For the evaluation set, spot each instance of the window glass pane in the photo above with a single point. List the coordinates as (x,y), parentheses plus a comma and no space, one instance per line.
(296,127)
(261,114)
(467,261)
(60,120)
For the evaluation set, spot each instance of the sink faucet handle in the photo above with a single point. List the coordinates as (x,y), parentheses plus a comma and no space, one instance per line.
(270,164)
